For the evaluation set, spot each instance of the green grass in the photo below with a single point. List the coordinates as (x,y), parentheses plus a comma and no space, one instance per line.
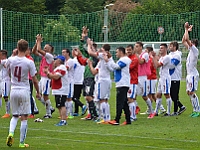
(162,133)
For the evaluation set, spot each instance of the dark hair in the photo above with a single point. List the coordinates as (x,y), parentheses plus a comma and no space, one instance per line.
(195,42)
(130,45)
(94,45)
(67,51)
(149,49)
(106,47)
(4,52)
(122,49)
(52,48)
(175,44)
(22,45)
(163,44)
(140,43)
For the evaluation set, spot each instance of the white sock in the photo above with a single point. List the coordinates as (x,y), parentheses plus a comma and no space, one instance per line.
(8,107)
(0,102)
(67,107)
(88,108)
(48,106)
(158,103)
(35,106)
(103,107)
(107,112)
(23,131)
(195,102)
(132,109)
(169,105)
(136,104)
(148,101)
(13,124)
(42,101)
(71,108)
(97,104)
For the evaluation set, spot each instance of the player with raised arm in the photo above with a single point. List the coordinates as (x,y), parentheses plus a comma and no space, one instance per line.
(47,61)
(19,67)
(104,80)
(143,58)
(164,82)
(191,67)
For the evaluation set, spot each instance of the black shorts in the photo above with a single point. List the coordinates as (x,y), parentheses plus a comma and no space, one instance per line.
(88,86)
(60,100)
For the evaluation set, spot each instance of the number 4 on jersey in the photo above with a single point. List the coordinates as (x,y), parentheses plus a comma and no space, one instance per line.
(17,73)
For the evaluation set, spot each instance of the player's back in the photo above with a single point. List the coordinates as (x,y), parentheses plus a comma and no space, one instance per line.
(19,68)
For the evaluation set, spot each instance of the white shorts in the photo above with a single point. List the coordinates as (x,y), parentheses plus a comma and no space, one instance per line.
(142,86)
(164,85)
(44,85)
(103,89)
(151,86)
(192,83)
(5,88)
(71,90)
(132,91)
(20,101)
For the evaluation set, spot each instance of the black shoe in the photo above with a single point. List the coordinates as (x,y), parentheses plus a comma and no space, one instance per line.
(182,109)
(166,115)
(52,110)
(47,116)
(174,114)
(36,112)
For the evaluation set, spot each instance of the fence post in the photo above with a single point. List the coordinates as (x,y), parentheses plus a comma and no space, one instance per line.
(1,24)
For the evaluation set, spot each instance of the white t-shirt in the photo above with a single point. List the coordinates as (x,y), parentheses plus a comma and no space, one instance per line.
(121,71)
(78,72)
(70,64)
(49,57)
(176,70)
(166,65)
(19,68)
(60,86)
(191,63)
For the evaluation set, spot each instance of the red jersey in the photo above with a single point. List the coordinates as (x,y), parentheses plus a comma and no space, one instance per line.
(153,70)
(133,69)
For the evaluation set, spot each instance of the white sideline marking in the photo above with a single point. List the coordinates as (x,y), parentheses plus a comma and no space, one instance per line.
(105,143)
(118,135)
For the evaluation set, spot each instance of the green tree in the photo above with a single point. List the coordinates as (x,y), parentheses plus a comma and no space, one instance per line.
(83,6)
(31,6)
(60,30)
(54,6)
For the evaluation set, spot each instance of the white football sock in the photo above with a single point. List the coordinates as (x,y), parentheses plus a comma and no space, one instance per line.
(13,124)
(148,101)
(132,109)
(48,106)
(169,105)
(35,106)
(70,108)
(158,103)
(0,102)
(195,102)
(42,101)
(107,112)
(8,107)
(103,108)
(23,131)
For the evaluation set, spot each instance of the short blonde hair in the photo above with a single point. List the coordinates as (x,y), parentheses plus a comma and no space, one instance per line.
(22,45)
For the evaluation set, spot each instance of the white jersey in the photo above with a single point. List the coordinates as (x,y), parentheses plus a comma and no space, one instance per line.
(78,72)
(70,64)
(19,68)
(121,71)
(60,86)
(176,70)
(191,63)
(165,61)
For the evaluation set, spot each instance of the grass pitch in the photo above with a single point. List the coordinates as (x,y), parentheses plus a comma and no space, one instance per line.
(162,133)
